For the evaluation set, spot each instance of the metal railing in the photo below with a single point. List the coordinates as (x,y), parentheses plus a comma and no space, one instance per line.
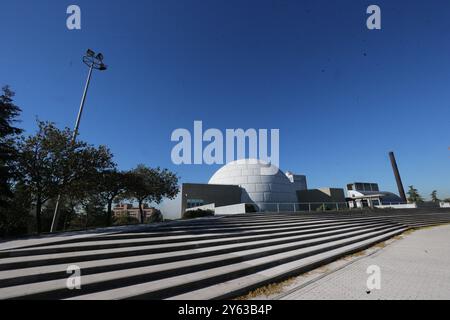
(297,207)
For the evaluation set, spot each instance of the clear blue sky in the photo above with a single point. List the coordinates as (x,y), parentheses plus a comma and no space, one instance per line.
(341,95)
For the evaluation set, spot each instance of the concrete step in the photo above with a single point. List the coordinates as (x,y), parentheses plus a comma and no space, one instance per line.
(223,256)
(197,226)
(167,287)
(104,280)
(50,272)
(164,246)
(106,244)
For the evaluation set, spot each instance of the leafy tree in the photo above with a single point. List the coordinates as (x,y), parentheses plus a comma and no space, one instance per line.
(434,197)
(148,185)
(414,196)
(94,211)
(155,217)
(50,164)
(8,116)
(15,217)
(110,185)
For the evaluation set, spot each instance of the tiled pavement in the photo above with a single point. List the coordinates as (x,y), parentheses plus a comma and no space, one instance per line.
(414,267)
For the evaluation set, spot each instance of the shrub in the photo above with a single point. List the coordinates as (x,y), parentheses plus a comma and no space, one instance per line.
(155,217)
(199,213)
(323,207)
(250,208)
(124,219)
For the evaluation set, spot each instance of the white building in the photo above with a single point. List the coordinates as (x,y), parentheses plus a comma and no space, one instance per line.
(363,194)
(262,184)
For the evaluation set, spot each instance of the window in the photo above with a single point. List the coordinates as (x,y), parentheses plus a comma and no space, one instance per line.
(192,203)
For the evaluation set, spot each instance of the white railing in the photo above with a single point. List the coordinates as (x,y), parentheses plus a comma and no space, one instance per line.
(297,207)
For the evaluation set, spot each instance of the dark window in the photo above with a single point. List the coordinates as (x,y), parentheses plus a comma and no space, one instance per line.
(192,203)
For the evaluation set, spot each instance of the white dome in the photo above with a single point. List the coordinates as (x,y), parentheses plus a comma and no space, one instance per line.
(260,181)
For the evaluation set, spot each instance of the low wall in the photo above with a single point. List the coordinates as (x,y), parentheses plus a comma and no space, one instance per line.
(230,210)
(210,206)
(398,206)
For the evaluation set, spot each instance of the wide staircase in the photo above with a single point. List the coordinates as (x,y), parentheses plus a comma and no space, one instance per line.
(215,258)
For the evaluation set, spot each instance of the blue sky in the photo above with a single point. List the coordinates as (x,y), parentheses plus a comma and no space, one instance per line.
(341,95)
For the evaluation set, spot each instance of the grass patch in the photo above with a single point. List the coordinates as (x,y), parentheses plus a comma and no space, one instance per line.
(355,255)
(268,290)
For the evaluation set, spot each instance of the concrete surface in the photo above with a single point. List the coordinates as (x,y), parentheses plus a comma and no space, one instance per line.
(197,259)
(414,267)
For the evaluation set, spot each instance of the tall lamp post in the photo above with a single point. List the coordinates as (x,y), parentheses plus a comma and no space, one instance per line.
(93,61)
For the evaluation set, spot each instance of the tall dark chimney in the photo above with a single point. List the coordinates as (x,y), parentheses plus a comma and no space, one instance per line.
(401,191)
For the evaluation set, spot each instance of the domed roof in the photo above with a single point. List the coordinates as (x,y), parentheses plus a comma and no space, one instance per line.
(260,181)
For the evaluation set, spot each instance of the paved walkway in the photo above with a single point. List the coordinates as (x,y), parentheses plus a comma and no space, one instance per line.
(414,267)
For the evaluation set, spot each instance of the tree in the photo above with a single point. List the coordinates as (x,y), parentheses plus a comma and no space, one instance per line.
(8,116)
(148,185)
(111,184)
(94,211)
(414,196)
(15,217)
(434,197)
(50,164)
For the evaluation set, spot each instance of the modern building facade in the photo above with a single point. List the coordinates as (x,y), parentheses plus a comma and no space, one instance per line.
(250,185)
(366,194)
(259,185)
(197,195)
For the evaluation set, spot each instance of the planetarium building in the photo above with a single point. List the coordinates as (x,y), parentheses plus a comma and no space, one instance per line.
(260,182)
(244,185)
(250,185)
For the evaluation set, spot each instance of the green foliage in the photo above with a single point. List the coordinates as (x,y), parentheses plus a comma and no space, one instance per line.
(199,213)
(94,210)
(434,197)
(15,217)
(414,196)
(8,132)
(124,219)
(110,185)
(323,207)
(250,208)
(35,168)
(49,163)
(147,185)
(155,217)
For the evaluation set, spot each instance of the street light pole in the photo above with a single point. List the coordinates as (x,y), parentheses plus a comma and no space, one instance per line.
(83,99)
(93,62)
